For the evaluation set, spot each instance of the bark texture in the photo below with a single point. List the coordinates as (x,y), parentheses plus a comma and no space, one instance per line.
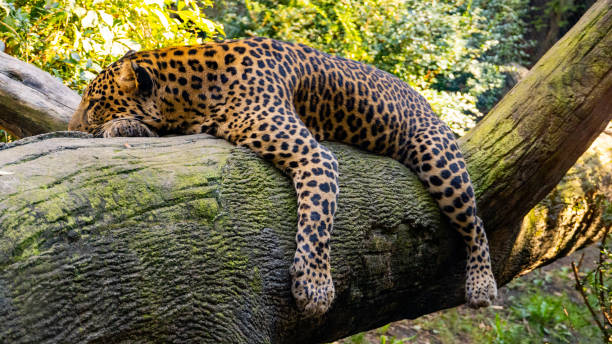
(31,100)
(189,239)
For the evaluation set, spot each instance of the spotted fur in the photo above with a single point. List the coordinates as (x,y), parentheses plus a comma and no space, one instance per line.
(281,100)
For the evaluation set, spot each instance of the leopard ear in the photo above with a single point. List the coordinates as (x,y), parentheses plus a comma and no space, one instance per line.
(143,80)
(135,79)
(129,53)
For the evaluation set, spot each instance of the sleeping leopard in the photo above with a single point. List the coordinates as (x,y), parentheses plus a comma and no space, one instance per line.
(281,100)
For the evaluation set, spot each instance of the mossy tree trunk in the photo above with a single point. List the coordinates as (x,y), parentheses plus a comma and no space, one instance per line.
(528,141)
(189,239)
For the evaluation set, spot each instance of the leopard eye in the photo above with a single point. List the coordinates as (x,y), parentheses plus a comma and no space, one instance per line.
(91,104)
(89,110)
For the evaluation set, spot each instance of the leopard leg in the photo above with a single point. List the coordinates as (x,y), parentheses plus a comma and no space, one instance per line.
(289,145)
(435,157)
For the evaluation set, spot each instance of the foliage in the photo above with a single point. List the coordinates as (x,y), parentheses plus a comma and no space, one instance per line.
(454,52)
(564,12)
(75,39)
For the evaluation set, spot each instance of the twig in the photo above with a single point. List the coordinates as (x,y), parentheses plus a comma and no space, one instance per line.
(10,28)
(602,298)
(608,317)
(580,261)
(586,301)
(568,318)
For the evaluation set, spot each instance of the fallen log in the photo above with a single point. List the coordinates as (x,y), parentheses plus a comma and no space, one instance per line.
(32,101)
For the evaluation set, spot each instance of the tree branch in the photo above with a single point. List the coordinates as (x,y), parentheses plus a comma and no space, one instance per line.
(32,101)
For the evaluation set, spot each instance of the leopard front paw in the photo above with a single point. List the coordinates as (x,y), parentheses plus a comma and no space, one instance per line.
(480,287)
(312,288)
(124,127)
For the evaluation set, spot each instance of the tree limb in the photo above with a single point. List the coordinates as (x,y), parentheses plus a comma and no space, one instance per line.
(32,101)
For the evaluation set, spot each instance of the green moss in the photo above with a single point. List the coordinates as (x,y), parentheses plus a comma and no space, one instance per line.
(256,282)
(27,248)
(234,260)
(189,180)
(120,198)
(112,196)
(530,222)
(486,167)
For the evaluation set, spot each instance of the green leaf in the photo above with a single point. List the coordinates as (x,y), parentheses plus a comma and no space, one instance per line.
(106,18)
(90,20)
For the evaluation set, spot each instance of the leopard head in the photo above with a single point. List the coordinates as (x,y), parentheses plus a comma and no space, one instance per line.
(119,101)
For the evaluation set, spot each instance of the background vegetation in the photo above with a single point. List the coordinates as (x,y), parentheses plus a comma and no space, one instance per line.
(74,39)
(460,54)
(456,53)
(4,136)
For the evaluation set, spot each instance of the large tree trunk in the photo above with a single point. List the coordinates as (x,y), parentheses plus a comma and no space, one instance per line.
(189,239)
(522,148)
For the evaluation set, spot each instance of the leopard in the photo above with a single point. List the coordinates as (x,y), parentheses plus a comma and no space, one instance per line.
(281,100)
